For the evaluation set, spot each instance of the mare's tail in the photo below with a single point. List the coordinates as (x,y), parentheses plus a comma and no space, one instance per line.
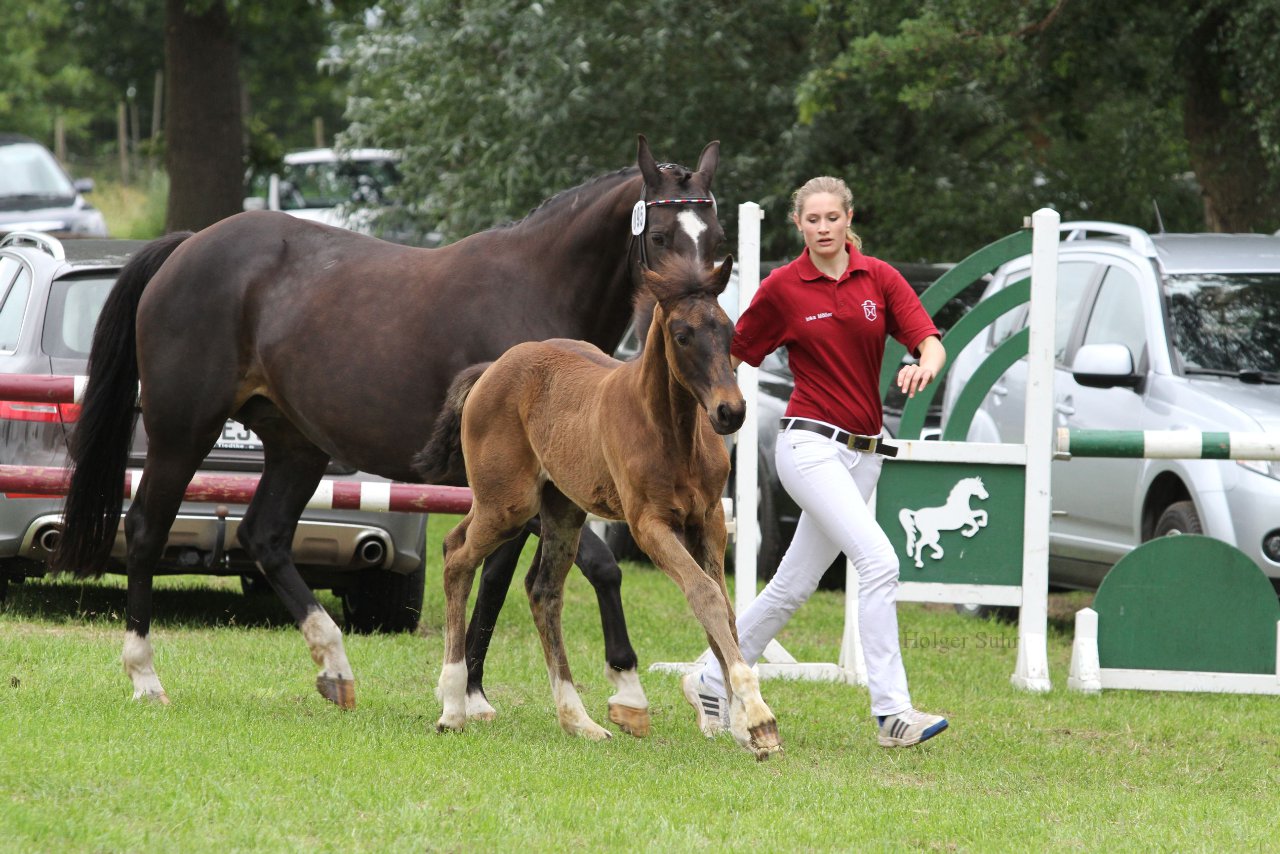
(99,443)
(441,461)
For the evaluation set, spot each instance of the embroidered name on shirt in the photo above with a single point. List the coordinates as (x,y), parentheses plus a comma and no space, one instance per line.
(819,316)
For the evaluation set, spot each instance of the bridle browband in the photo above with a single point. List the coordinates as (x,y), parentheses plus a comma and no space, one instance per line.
(652,203)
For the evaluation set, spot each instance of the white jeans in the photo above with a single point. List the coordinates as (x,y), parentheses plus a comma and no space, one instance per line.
(832,485)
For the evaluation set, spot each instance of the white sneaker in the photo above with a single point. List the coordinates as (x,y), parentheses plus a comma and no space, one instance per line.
(712,710)
(910,727)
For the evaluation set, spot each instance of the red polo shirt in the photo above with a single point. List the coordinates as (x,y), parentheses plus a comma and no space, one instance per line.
(834,332)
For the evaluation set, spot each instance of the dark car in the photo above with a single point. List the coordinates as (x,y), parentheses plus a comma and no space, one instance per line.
(50,298)
(36,193)
(777,512)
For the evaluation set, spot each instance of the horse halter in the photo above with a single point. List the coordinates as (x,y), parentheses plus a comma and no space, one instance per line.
(647,203)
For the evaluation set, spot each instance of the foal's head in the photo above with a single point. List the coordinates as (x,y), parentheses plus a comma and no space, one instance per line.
(696,334)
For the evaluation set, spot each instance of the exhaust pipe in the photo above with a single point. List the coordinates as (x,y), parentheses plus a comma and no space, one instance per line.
(371,550)
(48,538)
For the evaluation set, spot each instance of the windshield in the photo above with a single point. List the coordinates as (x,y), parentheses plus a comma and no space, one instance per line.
(333,183)
(1223,322)
(28,171)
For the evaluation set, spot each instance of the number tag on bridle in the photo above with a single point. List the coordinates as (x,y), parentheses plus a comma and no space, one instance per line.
(638,218)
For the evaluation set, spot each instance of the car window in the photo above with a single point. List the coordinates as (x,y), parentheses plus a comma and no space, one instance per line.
(1225,322)
(1117,315)
(14,293)
(329,184)
(74,306)
(28,171)
(1073,280)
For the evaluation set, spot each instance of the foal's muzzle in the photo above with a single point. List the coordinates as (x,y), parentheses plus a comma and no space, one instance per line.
(728,415)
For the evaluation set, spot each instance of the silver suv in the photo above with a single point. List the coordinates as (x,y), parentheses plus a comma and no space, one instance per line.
(1153,332)
(50,296)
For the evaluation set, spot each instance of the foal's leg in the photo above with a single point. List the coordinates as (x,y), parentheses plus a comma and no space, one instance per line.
(292,469)
(479,533)
(750,720)
(628,707)
(495,581)
(562,521)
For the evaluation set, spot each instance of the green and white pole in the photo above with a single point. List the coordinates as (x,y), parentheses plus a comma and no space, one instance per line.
(1167,444)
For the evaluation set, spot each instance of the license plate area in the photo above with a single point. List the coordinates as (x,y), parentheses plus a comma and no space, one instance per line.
(237,437)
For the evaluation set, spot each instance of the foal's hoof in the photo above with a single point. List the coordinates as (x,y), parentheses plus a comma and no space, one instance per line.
(449,723)
(162,698)
(340,692)
(765,741)
(629,719)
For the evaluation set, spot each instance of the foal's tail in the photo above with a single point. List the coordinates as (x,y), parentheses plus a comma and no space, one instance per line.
(907,518)
(441,460)
(99,444)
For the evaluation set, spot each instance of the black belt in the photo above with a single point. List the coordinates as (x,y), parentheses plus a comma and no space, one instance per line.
(867,444)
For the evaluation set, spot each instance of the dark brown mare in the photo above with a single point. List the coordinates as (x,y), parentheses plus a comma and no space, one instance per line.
(329,344)
(560,429)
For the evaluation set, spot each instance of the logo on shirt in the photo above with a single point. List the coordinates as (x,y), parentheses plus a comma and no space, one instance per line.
(869,309)
(819,316)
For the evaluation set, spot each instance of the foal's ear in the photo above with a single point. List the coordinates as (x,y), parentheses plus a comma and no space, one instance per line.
(722,275)
(648,166)
(708,161)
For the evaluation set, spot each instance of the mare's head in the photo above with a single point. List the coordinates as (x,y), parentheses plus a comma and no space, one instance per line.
(679,209)
(696,334)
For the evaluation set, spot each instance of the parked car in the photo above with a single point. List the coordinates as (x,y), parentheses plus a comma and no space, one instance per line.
(1153,332)
(348,189)
(777,513)
(36,193)
(50,297)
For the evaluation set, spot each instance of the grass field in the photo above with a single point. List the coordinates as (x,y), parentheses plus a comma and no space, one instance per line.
(249,757)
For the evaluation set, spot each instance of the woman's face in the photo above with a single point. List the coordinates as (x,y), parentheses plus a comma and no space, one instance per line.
(823,221)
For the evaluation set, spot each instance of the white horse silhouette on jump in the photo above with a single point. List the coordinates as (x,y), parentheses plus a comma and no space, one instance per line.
(928,523)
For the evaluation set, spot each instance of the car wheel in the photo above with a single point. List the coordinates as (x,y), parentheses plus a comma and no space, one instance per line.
(380,600)
(1178,518)
(999,613)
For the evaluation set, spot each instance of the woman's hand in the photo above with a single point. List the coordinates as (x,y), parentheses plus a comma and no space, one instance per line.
(914,378)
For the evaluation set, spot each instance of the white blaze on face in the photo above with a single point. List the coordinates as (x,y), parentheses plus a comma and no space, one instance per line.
(693,226)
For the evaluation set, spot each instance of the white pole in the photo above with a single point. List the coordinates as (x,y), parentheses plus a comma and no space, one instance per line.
(1032,669)
(745,501)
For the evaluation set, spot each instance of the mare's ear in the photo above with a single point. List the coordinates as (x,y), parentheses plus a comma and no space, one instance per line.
(648,166)
(708,161)
(722,274)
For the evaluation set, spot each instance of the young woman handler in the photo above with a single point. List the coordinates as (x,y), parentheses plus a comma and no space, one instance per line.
(832,308)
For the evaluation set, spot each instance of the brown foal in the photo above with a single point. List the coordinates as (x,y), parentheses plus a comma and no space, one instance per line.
(560,429)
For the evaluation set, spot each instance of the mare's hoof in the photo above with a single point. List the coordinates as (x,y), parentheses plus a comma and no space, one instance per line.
(340,692)
(629,719)
(479,709)
(765,741)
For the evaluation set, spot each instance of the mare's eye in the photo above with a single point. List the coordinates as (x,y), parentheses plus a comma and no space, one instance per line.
(682,338)
(658,239)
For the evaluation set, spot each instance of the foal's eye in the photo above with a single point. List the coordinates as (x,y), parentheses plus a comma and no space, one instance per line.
(658,239)
(682,338)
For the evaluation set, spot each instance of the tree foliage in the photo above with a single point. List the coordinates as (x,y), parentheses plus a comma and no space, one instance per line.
(499,104)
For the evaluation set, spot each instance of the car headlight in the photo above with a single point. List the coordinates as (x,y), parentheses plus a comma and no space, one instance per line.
(1270,468)
(90,223)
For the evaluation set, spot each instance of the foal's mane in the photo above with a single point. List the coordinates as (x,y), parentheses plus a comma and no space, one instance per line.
(677,278)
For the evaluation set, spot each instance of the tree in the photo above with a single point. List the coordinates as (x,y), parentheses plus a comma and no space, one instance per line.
(498,104)
(971,113)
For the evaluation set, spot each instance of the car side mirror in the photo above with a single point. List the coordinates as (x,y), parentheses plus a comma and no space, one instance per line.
(83,185)
(1105,366)
(255,203)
